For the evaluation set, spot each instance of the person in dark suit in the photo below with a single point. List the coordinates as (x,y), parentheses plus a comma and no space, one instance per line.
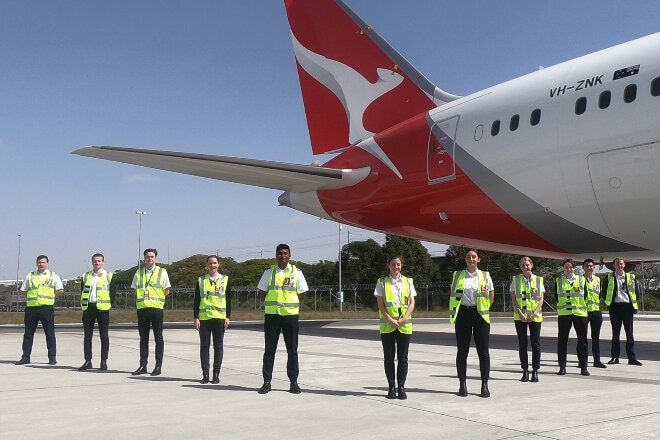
(621,289)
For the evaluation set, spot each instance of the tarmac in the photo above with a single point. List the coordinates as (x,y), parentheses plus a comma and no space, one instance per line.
(343,388)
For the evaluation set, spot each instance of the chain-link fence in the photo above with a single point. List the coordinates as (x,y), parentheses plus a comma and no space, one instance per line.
(356,297)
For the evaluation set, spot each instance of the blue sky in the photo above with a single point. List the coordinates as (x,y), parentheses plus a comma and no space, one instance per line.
(218,77)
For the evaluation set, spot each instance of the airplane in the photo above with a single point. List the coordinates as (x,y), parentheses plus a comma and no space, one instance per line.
(561,162)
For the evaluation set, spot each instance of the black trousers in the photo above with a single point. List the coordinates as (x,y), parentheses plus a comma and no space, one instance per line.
(469,322)
(535,342)
(595,321)
(34,315)
(579,323)
(289,327)
(622,313)
(395,342)
(211,327)
(90,316)
(150,318)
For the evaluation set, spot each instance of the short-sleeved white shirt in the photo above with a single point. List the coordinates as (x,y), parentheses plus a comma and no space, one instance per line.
(397,287)
(56,279)
(470,286)
(166,278)
(301,283)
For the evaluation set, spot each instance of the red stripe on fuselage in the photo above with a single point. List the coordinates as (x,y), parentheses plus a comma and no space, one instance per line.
(386,203)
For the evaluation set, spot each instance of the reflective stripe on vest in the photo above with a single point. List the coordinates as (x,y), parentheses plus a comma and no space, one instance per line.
(482,295)
(150,290)
(611,289)
(40,289)
(393,307)
(282,296)
(570,298)
(213,300)
(593,294)
(102,290)
(527,298)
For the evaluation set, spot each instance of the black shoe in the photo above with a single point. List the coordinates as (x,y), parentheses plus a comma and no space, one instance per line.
(613,361)
(205,378)
(562,371)
(86,366)
(216,377)
(294,388)
(391,393)
(535,376)
(599,364)
(52,362)
(525,376)
(584,372)
(142,369)
(265,388)
(104,366)
(156,371)
(401,393)
(462,389)
(634,362)
(23,361)
(484,389)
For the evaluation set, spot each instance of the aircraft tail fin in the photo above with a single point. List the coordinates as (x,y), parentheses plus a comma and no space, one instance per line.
(354,84)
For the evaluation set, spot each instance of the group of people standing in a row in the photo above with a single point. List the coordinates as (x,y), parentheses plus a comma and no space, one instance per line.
(282,287)
(578,306)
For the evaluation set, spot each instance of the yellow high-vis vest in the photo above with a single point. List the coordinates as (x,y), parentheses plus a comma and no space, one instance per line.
(213,299)
(482,295)
(102,290)
(282,296)
(40,289)
(527,298)
(393,307)
(150,288)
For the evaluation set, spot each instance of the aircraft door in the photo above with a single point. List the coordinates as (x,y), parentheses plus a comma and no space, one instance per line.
(440,158)
(624,181)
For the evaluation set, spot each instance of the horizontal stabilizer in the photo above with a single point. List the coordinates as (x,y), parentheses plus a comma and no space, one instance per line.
(262,173)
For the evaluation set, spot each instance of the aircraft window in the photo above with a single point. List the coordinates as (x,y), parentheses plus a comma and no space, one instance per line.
(495,128)
(513,123)
(535,118)
(655,87)
(604,99)
(580,105)
(630,93)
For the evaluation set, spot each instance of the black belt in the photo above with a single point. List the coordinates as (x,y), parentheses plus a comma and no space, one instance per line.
(468,307)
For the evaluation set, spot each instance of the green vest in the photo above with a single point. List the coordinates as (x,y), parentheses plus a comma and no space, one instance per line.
(482,295)
(102,290)
(612,286)
(40,289)
(282,296)
(393,307)
(570,298)
(527,299)
(150,288)
(593,294)
(212,304)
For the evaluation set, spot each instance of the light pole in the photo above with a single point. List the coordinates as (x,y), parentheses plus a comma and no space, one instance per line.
(18,263)
(171,243)
(140,213)
(340,294)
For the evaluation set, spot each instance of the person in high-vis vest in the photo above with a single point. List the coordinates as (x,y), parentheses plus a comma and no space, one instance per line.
(395,295)
(282,287)
(97,291)
(571,311)
(594,315)
(472,294)
(527,293)
(211,312)
(152,286)
(40,288)
(620,288)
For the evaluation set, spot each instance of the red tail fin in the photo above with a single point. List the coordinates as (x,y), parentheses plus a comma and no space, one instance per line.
(354,84)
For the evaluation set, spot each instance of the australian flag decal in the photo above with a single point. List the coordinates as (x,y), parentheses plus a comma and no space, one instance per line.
(625,73)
